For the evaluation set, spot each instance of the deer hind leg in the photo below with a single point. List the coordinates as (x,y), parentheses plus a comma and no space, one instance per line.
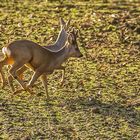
(2,63)
(44,81)
(19,74)
(13,71)
(3,80)
(10,82)
(63,77)
(21,71)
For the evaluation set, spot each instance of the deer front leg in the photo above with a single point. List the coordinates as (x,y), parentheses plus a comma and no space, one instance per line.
(44,81)
(62,78)
(35,76)
(63,75)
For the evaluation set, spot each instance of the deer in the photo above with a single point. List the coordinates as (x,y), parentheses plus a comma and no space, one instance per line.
(59,43)
(41,60)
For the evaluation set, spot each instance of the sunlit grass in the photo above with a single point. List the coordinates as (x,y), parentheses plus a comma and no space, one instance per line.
(95,101)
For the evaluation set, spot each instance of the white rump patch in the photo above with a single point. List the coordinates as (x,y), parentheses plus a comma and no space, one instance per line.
(6,51)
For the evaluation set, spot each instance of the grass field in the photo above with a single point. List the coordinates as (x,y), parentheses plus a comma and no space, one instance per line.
(101,93)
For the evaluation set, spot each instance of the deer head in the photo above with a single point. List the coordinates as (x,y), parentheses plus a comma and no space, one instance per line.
(72,41)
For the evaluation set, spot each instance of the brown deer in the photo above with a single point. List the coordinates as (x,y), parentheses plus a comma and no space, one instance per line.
(38,58)
(60,42)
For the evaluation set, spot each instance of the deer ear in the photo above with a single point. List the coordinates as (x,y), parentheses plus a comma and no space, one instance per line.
(62,22)
(70,38)
(76,32)
(72,30)
(68,23)
(69,29)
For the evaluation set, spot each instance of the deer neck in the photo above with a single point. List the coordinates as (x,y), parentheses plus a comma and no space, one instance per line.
(61,39)
(62,56)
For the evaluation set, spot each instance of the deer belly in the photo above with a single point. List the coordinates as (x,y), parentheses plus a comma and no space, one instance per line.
(34,64)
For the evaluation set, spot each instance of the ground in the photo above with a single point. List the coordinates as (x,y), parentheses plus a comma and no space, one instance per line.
(101,95)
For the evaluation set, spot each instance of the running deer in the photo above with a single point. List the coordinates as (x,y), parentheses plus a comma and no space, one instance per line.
(38,58)
(60,42)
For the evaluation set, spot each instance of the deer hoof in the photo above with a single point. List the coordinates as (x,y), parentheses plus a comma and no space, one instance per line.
(47,98)
(18,91)
(61,83)
(29,86)
(29,90)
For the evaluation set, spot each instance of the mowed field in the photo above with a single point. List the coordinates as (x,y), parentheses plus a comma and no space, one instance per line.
(100,99)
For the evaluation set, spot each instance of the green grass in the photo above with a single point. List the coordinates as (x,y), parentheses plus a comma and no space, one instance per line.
(96,101)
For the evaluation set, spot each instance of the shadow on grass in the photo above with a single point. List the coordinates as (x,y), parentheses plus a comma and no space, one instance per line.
(115,110)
